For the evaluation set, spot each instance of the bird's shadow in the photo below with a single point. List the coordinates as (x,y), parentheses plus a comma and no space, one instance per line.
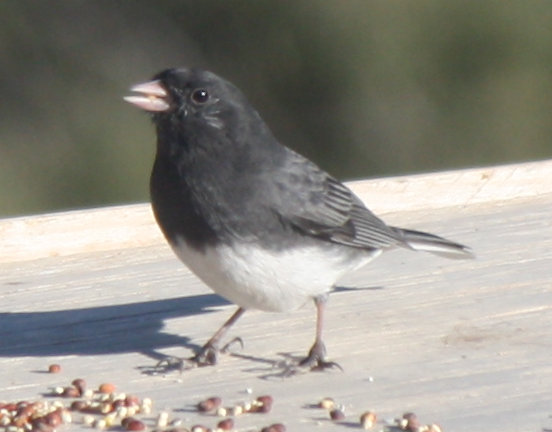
(135,327)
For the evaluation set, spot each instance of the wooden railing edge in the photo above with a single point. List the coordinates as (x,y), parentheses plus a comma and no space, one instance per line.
(66,233)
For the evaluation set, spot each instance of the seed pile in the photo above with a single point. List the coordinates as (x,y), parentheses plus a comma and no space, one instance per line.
(368,420)
(104,408)
(213,405)
(262,404)
(23,416)
(409,422)
(101,408)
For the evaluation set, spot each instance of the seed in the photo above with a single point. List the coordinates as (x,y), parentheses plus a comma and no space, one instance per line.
(226,424)
(70,392)
(412,423)
(433,427)
(401,423)
(106,388)
(122,412)
(88,419)
(80,384)
(88,394)
(132,410)
(106,408)
(222,412)
(110,419)
(134,425)
(91,407)
(54,368)
(117,403)
(337,414)
(77,405)
(66,416)
(265,404)
(100,424)
(104,397)
(145,406)
(163,419)
(327,403)
(53,418)
(19,421)
(38,424)
(131,400)
(209,404)
(145,409)
(368,419)
(119,396)
(24,409)
(276,427)
(199,428)
(55,404)
(236,410)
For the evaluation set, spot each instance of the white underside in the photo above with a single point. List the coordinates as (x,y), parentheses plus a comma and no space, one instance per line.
(257,278)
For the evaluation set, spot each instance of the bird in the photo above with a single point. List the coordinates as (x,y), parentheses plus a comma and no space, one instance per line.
(261,225)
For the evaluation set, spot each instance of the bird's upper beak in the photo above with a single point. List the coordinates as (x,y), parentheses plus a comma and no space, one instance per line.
(153,96)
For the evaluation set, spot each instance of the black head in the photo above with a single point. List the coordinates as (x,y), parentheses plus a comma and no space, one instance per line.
(190,99)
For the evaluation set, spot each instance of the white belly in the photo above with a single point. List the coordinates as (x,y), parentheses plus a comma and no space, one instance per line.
(257,278)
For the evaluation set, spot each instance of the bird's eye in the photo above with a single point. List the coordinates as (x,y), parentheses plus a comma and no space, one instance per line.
(200,96)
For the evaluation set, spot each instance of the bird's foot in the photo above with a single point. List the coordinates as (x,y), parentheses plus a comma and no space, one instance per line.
(314,361)
(207,356)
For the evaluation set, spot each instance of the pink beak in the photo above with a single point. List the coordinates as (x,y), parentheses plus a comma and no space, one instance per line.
(153,96)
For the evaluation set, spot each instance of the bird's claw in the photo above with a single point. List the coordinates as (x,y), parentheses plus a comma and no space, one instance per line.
(226,348)
(207,356)
(319,364)
(314,361)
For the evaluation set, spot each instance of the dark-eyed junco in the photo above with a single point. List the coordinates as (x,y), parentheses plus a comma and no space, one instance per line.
(261,225)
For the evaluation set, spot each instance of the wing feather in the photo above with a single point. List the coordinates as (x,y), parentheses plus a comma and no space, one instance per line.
(321,206)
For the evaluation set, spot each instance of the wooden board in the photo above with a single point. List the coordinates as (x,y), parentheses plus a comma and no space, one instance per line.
(465,344)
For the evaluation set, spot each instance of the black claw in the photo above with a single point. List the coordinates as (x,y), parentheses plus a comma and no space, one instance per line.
(316,361)
(206,357)
(171,364)
(226,348)
(322,365)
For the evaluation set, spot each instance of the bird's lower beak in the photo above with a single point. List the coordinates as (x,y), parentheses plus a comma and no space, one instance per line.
(153,96)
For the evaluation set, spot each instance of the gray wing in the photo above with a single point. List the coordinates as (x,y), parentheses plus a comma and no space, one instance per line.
(315,203)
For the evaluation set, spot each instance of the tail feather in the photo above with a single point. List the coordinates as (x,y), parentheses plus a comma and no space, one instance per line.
(422,241)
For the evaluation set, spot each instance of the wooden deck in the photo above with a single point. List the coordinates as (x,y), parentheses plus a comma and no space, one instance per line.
(465,344)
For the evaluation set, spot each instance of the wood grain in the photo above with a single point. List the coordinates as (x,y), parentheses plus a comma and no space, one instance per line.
(465,344)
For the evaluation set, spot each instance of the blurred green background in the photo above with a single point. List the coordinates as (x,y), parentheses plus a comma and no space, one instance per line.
(365,88)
